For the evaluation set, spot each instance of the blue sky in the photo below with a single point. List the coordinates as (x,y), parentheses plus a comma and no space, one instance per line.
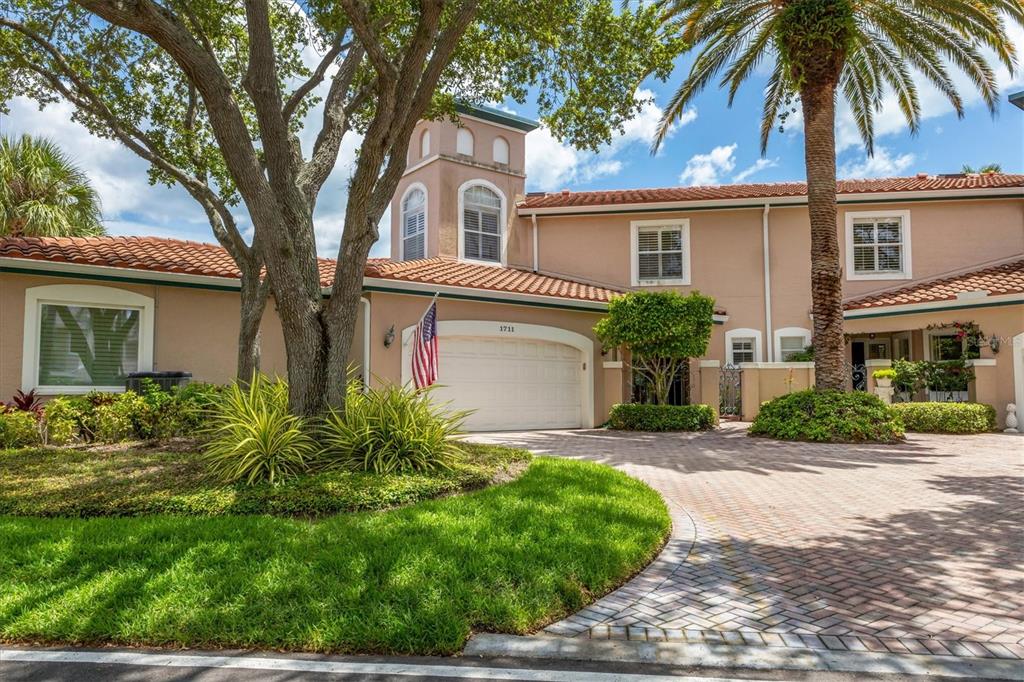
(712,144)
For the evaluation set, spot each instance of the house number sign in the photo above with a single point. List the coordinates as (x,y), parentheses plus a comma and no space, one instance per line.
(507,328)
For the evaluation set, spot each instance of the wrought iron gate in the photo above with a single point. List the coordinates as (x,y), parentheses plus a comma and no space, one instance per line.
(730,389)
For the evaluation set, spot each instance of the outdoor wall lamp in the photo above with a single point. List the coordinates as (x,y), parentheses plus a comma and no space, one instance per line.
(993,343)
(389,336)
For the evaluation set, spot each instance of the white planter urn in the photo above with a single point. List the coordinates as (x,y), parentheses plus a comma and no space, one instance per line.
(883,382)
(1012,423)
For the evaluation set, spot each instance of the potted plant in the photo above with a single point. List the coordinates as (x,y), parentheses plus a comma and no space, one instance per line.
(884,377)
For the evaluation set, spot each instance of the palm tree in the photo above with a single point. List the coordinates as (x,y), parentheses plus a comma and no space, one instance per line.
(817,48)
(43,194)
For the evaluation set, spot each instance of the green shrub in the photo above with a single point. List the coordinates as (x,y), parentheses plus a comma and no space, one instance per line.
(640,417)
(118,418)
(392,429)
(254,437)
(67,420)
(18,428)
(829,417)
(884,374)
(947,417)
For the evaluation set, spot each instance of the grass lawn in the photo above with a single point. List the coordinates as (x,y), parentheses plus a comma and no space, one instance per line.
(417,579)
(120,481)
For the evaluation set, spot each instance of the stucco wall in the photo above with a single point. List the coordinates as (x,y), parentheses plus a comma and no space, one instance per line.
(726,253)
(194,329)
(442,177)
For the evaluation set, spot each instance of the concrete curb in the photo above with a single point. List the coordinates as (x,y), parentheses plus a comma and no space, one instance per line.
(754,658)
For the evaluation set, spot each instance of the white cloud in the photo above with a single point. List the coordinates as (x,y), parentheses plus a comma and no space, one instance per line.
(882,164)
(755,167)
(704,169)
(552,165)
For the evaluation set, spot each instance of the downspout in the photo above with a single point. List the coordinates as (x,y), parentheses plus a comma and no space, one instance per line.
(536,242)
(366,342)
(769,337)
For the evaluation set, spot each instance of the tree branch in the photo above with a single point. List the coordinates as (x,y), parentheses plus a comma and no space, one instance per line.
(315,79)
(166,30)
(338,109)
(368,36)
(260,82)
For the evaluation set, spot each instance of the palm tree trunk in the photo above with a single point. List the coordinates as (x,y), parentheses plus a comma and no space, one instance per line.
(819,110)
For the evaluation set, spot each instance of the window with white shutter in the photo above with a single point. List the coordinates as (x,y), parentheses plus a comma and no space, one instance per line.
(660,253)
(790,346)
(481,224)
(878,245)
(414,225)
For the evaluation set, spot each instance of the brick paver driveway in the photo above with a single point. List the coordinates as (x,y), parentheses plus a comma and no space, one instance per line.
(910,548)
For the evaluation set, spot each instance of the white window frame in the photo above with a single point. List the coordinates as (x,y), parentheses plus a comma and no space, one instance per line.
(401,218)
(904,217)
(743,333)
(502,224)
(635,227)
(461,135)
(425,144)
(500,141)
(86,295)
(787,332)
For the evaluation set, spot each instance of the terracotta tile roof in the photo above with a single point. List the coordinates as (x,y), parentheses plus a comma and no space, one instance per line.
(919,183)
(195,258)
(451,272)
(997,280)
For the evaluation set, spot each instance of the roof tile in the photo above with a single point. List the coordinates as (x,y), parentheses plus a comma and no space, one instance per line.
(997,280)
(196,258)
(919,183)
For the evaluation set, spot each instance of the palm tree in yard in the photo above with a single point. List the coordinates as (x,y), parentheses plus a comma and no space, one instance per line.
(860,49)
(43,194)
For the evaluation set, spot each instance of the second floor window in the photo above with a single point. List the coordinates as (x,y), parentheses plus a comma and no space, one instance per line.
(481,224)
(660,254)
(878,245)
(414,225)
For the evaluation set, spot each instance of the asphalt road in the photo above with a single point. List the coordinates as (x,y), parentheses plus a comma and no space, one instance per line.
(112,665)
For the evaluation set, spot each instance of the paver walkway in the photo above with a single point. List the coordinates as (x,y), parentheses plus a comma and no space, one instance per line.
(911,548)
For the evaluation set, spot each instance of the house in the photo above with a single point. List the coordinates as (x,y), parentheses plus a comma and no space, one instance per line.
(522,278)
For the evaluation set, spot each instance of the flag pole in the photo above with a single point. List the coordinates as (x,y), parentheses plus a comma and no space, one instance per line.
(432,301)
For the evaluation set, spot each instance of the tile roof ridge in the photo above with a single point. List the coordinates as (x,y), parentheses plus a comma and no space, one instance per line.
(969,270)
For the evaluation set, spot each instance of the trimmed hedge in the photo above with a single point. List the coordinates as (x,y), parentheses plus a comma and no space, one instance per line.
(641,417)
(828,417)
(947,417)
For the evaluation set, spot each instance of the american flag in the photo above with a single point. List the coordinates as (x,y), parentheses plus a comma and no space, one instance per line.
(424,350)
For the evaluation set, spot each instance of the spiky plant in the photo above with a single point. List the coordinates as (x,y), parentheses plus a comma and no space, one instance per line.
(43,193)
(856,48)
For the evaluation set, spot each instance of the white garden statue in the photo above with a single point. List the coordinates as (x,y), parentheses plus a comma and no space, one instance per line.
(1011,419)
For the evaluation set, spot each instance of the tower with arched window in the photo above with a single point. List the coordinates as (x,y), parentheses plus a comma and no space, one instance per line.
(461,182)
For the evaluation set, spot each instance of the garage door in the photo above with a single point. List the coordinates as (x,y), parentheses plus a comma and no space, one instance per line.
(511,384)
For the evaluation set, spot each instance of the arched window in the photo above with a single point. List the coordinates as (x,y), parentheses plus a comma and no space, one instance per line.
(414,225)
(481,224)
(425,144)
(464,142)
(500,151)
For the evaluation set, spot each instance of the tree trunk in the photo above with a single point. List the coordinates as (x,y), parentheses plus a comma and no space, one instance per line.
(818,102)
(253,302)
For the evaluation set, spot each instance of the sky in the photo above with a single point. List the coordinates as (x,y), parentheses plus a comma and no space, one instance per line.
(710,144)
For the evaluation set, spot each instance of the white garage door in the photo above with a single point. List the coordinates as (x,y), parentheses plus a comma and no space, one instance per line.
(511,383)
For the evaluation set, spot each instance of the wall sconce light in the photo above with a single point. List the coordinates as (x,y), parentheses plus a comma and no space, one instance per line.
(993,343)
(389,336)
